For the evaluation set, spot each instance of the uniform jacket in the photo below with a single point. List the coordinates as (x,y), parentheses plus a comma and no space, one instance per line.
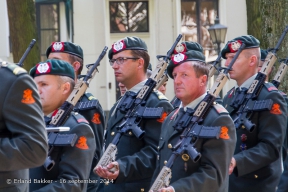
(259,166)
(210,172)
(136,157)
(96,119)
(283,184)
(23,136)
(72,164)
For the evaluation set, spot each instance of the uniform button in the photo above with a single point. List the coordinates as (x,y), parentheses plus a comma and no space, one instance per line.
(158,157)
(112,133)
(243,127)
(256,176)
(165,162)
(142,189)
(130,133)
(169,146)
(158,147)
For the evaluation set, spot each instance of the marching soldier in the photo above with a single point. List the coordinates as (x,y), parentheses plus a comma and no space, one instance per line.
(22,130)
(75,150)
(135,159)
(210,172)
(73,54)
(257,160)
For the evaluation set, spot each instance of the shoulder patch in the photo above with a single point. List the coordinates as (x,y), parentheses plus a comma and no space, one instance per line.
(219,108)
(160,95)
(79,118)
(15,69)
(230,92)
(270,87)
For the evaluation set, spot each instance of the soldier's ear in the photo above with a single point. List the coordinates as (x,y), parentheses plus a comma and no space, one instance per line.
(66,87)
(76,65)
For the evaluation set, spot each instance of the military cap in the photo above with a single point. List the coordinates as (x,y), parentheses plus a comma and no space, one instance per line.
(186,51)
(264,54)
(128,43)
(53,67)
(65,47)
(233,45)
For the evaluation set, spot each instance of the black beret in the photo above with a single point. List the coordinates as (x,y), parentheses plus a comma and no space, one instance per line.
(128,43)
(264,54)
(65,47)
(186,51)
(53,67)
(233,45)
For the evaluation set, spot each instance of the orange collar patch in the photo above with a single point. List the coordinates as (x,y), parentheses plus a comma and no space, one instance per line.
(96,118)
(276,109)
(82,143)
(224,133)
(163,117)
(27,97)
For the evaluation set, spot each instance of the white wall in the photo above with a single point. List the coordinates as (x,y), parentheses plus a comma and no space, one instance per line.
(4,33)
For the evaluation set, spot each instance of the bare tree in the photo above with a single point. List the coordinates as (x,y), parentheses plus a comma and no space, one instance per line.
(267,20)
(22,26)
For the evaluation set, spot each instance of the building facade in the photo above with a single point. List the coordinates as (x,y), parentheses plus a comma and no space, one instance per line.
(94,24)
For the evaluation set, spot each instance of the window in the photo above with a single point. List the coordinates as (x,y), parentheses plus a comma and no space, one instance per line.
(196,13)
(48,25)
(128,16)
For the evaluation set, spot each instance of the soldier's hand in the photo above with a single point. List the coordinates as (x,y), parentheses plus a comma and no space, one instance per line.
(167,189)
(109,172)
(232,165)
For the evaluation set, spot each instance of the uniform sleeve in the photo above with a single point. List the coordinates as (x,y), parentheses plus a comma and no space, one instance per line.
(75,163)
(271,127)
(22,115)
(142,164)
(214,162)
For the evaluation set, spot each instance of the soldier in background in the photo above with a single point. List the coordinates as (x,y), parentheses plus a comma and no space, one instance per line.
(210,172)
(135,158)
(55,81)
(257,158)
(22,130)
(73,54)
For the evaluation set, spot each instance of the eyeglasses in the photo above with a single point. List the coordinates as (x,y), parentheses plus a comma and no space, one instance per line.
(120,60)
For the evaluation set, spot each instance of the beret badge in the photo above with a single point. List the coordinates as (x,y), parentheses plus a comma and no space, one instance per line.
(43,68)
(57,46)
(179,54)
(234,46)
(118,46)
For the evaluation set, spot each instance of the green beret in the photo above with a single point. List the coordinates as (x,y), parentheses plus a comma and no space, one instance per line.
(233,45)
(65,47)
(128,43)
(186,51)
(53,67)
(264,54)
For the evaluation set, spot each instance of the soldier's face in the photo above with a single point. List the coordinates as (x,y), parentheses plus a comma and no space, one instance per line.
(187,85)
(240,69)
(50,91)
(127,71)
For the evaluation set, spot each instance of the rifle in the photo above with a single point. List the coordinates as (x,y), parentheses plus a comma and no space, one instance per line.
(21,62)
(280,73)
(213,66)
(134,107)
(55,139)
(190,123)
(245,101)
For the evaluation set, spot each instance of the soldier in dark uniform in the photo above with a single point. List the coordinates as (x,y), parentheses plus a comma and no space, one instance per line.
(55,81)
(257,158)
(135,159)
(283,184)
(73,54)
(22,130)
(210,172)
